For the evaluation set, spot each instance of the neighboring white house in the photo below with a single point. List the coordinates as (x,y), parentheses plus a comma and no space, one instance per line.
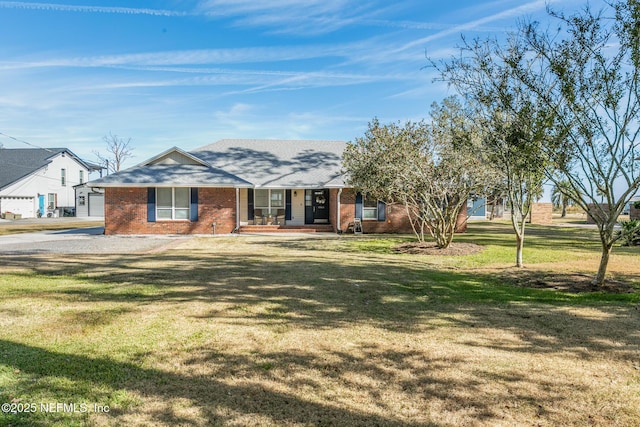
(40,180)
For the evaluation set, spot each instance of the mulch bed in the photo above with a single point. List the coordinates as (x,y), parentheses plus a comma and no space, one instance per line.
(429,248)
(564,282)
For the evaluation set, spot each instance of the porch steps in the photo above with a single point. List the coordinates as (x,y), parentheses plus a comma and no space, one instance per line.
(323,228)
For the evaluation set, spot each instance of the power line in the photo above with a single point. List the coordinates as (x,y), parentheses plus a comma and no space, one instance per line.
(25,142)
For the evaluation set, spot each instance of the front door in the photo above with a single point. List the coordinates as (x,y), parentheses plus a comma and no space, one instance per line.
(317,208)
(41,204)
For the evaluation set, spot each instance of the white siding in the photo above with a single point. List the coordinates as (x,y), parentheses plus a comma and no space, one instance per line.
(297,207)
(89,202)
(174,158)
(244,206)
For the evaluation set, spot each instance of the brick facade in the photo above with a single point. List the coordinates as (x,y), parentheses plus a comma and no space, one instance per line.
(634,213)
(396,221)
(541,213)
(126,213)
(597,212)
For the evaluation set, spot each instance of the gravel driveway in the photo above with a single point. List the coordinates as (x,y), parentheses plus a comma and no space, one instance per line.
(83,241)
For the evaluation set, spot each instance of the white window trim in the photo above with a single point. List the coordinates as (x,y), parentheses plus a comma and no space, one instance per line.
(270,207)
(369,209)
(173,205)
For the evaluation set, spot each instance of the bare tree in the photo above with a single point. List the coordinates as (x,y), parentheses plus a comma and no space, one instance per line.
(118,151)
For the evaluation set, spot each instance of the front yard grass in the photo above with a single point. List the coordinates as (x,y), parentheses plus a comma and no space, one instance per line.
(282,330)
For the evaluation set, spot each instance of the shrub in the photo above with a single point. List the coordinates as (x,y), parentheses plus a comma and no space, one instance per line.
(630,233)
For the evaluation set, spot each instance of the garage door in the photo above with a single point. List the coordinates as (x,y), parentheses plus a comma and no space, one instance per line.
(24,206)
(96,204)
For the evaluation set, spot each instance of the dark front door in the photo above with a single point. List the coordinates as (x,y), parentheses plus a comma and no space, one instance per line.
(317,207)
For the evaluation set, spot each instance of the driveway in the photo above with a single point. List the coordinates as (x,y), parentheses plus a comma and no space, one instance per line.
(83,241)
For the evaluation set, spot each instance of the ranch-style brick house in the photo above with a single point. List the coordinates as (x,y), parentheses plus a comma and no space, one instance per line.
(237,185)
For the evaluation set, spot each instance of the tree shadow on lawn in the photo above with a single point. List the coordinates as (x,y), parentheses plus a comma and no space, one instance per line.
(322,293)
(319,293)
(238,387)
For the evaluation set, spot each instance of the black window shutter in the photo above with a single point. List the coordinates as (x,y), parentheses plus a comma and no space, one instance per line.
(382,211)
(287,206)
(250,203)
(193,208)
(359,205)
(151,204)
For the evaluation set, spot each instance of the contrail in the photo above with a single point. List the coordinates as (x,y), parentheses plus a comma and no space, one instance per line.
(88,9)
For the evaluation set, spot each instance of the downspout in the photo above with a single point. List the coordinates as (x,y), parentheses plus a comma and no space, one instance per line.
(237,210)
(339,229)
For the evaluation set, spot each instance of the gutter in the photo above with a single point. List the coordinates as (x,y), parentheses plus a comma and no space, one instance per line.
(339,229)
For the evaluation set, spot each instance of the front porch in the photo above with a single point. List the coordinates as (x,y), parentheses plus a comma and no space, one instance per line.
(283,208)
(311,228)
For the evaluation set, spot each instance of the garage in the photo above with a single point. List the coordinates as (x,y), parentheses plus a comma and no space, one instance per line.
(89,201)
(24,206)
(96,204)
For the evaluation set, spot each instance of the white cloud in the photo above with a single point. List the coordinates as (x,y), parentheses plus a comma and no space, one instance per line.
(471,25)
(55,7)
(188,57)
(292,16)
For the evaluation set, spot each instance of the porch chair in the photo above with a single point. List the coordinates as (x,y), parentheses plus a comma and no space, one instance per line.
(357,226)
(257,216)
(280,213)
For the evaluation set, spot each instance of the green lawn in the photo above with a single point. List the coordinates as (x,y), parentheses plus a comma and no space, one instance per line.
(278,330)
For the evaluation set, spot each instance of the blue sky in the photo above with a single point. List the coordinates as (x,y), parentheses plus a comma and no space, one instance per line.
(189,72)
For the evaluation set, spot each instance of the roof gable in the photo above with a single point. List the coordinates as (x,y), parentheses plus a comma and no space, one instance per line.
(174,156)
(171,168)
(17,163)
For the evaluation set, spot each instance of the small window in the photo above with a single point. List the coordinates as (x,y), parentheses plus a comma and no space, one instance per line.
(81,200)
(172,203)
(277,198)
(81,177)
(51,201)
(63,177)
(369,209)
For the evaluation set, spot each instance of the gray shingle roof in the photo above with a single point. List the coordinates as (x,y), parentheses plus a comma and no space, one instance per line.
(17,163)
(240,163)
(175,175)
(278,163)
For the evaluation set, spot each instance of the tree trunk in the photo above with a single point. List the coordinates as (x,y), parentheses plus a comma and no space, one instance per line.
(518,222)
(519,248)
(604,262)
(564,209)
